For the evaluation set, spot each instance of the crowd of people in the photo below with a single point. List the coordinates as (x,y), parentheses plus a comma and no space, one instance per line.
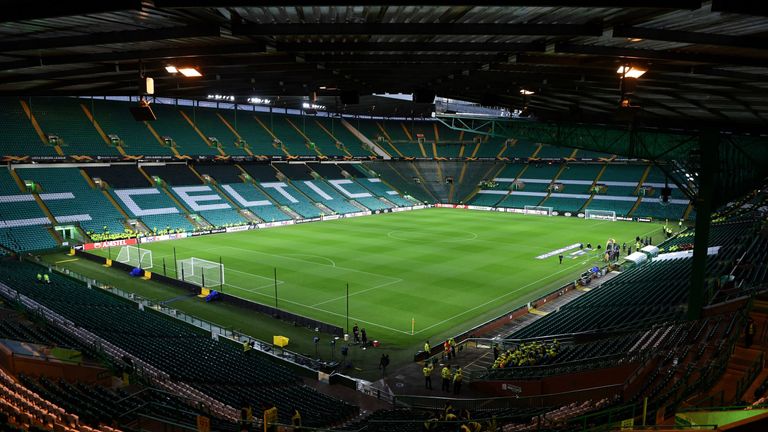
(526,354)
(106,235)
(450,419)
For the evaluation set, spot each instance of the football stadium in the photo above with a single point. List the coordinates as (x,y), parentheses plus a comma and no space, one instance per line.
(384,216)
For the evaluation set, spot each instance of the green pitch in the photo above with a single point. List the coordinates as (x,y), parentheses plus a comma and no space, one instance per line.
(445,269)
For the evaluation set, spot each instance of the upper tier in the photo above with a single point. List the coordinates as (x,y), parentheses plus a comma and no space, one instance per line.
(50,127)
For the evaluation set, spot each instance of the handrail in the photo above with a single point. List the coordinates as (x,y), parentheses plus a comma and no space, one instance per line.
(431,402)
(536,371)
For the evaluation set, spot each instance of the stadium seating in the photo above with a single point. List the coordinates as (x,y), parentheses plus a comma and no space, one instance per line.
(403,177)
(97,405)
(218,369)
(119,176)
(620,182)
(135,137)
(24,225)
(170,123)
(521,149)
(380,189)
(255,201)
(261,172)
(489,147)
(42,335)
(294,200)
(65,118)
(258,140)
(350,142)
(323,142)
(330,197)
(221,173)
(536,179)
(173,219)
(294,143)
(32,238)
(24,410)
(209,123)
(181,175)
(649,293)
(548,151)
(294,171)
(88,206)
(173,174)
(19,137)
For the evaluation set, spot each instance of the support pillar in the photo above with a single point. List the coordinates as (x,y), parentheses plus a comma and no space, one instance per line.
(710,163)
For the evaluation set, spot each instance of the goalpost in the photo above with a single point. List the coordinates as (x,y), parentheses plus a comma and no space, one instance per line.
(538,210)
(600,214)
(204,273)
(135,257)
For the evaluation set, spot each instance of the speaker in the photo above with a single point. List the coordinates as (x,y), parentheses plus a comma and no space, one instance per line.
(350,98)
(665,193)
(143,113)
(425,96)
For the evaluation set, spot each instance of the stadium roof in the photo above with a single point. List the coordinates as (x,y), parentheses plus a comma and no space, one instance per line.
(706,61)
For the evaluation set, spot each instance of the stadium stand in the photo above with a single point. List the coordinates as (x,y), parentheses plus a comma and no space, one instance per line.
(207,120)
(65,118)
(22,409)
(536,180)
(554,152)
(167,217)
(261,172)
(309,129)
(649,293)
(256,201)
(172,124)
(199,199)
(322,192)
(19,136)
(294,171)
(218,369)
(518,149)
(620,183)
(258,140)
(134,137)
(24,225)
(119,176)
(404,178)
(222,174)
(339,131)
(71,199)
(575,181)
(276,125)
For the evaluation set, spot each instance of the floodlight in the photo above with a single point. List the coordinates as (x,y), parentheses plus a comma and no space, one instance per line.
(630,71)
(190,72)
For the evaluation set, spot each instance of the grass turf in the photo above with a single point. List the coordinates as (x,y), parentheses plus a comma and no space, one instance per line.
(446,269)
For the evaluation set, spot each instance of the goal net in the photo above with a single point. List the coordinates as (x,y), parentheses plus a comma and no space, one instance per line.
(600,214)
(204,273)
(538,210)
(135,257)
